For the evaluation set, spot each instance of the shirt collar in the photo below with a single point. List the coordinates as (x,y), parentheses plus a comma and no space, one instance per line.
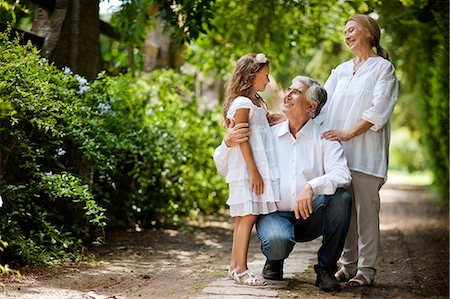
(307,130)
(283,128)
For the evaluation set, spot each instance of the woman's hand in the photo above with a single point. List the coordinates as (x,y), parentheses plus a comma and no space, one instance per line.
(335,135)
(256,182)
(237,134)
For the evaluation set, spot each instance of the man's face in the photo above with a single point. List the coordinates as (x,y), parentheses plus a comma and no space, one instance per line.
(295,101)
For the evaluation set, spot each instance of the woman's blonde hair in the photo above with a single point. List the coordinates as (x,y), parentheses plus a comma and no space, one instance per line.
(242,80)
(371,26)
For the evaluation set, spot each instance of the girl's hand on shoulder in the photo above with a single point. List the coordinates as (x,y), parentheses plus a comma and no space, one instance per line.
(275,118)
(257,183)
(335,135)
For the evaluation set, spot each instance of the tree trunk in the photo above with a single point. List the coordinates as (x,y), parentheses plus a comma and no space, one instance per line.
(71,32)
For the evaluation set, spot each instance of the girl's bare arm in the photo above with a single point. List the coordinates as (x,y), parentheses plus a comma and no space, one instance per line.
(257,184)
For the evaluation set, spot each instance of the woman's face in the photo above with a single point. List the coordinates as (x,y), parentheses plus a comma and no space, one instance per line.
(356,37)
(261,78)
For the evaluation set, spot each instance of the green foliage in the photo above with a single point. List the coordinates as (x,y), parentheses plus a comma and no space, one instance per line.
(5,269)
(132,21)
(11,11)
(77,155)
(418,43)
(435,118)
(162,148)
(192,177)
(40,115)
(188,18)
(286,31)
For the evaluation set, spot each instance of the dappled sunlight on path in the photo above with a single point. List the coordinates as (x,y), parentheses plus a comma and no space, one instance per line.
(192,262)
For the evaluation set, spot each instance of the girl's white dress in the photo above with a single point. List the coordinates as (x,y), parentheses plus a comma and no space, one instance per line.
(242,200)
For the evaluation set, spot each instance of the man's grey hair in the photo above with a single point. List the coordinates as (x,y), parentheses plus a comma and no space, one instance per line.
(315,92)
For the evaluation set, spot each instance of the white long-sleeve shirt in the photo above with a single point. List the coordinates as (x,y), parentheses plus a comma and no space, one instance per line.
(304,159)
(370,94)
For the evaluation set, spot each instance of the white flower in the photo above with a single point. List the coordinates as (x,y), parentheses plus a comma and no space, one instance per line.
(106,109)
(83,88)
(83,83)
(67,70)
(261,58)
(60,152)
(43,61)
(81,80)
(1,202)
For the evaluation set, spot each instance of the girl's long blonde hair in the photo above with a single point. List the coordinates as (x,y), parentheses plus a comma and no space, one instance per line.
(241,82)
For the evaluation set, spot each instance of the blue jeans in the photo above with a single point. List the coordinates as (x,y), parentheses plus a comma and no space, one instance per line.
(279,231)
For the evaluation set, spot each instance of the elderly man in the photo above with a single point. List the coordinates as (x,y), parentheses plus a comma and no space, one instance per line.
(313,173)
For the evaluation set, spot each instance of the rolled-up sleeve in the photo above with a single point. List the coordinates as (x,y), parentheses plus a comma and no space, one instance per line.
(384,98)
(221,158)
(337,173)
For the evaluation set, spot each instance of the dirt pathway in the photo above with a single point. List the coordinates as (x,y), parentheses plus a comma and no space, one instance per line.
(413,263)
(414,256)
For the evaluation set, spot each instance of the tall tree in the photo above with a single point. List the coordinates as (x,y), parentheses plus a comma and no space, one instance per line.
(419,42)
(71,30)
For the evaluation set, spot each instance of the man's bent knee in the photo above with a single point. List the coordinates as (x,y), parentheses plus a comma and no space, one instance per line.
(276,234)
(277,247)
(343,202)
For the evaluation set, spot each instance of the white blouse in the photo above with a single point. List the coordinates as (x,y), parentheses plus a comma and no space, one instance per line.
(369,94)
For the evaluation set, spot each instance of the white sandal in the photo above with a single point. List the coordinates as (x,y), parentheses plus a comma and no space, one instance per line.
(342,275)
(360,280)
(230,273)
(251,280)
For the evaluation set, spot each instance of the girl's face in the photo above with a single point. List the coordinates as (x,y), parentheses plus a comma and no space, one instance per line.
(356,37)
(261,78)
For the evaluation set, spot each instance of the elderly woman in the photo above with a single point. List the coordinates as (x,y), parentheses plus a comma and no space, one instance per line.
(362,93)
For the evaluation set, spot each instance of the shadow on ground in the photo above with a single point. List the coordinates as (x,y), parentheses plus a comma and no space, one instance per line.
(413,261)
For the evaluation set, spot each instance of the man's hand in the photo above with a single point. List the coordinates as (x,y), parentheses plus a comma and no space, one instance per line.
(303,204)
(237,134)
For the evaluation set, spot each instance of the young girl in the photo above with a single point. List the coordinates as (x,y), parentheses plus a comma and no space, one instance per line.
(252,175)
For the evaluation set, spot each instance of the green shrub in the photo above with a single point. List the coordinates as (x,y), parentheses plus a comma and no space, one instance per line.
(162,148)
(77,155)
(47,210)
(434,105)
